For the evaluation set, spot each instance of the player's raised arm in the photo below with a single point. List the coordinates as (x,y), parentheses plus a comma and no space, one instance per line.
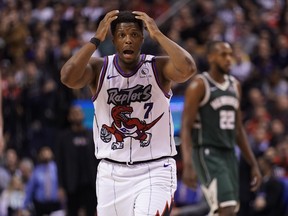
(179,66)
(81,70)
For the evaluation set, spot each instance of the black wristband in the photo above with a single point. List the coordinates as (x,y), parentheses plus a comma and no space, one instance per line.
(95,41)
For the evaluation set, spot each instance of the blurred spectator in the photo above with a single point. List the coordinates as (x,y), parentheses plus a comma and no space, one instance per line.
(12,108)
(260,119)
(8,169)
(254,99)
(280,111)
(274,85)
(11,199)
(26,167)
(41,194)
(259,140)
(92,10)
(11,161)
(5,178)
(281,158)
(159,8)
(242,67)
(281,51)
(2,142)
(263,59)
(77,165)
(269,199)
(40,108)
(277,130)
(43,12)
(15,33)
(139,5)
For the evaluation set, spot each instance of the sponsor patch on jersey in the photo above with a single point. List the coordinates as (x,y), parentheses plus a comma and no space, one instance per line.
(144,73)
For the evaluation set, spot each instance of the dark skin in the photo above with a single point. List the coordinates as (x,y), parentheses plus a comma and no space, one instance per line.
(83,70)
(220,61)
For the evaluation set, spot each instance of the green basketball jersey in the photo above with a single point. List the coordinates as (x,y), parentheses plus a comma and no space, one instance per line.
(216,120)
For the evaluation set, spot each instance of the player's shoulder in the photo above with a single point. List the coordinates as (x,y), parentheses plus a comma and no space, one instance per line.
(197,83)
(199,79)
(232,79)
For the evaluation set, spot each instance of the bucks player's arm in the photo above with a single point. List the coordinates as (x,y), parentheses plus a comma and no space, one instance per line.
(246,149)
(179,65)
(193,96)
(82,70)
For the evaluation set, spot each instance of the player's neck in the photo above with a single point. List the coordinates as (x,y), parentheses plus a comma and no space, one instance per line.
(128,67)
(217,76)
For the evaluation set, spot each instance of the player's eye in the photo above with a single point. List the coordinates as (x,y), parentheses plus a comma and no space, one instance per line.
(121,35)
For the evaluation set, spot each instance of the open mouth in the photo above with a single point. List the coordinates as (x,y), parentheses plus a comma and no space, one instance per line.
(128,53)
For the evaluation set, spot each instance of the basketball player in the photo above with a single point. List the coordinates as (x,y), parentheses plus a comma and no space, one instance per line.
(212,125)
(133,129)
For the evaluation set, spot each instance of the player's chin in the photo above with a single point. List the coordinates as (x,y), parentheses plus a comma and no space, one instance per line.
(128,58)
(228,68)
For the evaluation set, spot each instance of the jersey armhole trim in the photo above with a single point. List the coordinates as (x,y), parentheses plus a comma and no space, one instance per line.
(101,78)
(234,83)
(157,78)
(207,92)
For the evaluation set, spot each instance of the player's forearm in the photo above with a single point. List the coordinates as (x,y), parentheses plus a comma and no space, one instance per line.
(186,154)
(181,59)
(186,148)
(73,70)
(245,148)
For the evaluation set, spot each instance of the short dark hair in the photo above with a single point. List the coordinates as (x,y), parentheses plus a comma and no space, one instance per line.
(125,17)
(211,46)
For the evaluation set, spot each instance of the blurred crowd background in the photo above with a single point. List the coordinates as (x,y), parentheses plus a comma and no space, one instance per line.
(38,36)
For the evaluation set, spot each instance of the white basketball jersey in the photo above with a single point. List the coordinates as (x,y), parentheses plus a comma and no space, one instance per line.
(132,118)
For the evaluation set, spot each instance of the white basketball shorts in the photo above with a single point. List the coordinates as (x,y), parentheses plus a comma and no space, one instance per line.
(136,190)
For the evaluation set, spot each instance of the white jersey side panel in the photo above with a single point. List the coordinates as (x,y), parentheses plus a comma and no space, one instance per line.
(132,120)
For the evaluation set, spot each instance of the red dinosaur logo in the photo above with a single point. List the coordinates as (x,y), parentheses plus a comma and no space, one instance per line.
(124,126)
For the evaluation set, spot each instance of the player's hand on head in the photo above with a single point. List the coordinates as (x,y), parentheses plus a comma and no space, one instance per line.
(149,23)
(104,25)
(256,179)
(189,177)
